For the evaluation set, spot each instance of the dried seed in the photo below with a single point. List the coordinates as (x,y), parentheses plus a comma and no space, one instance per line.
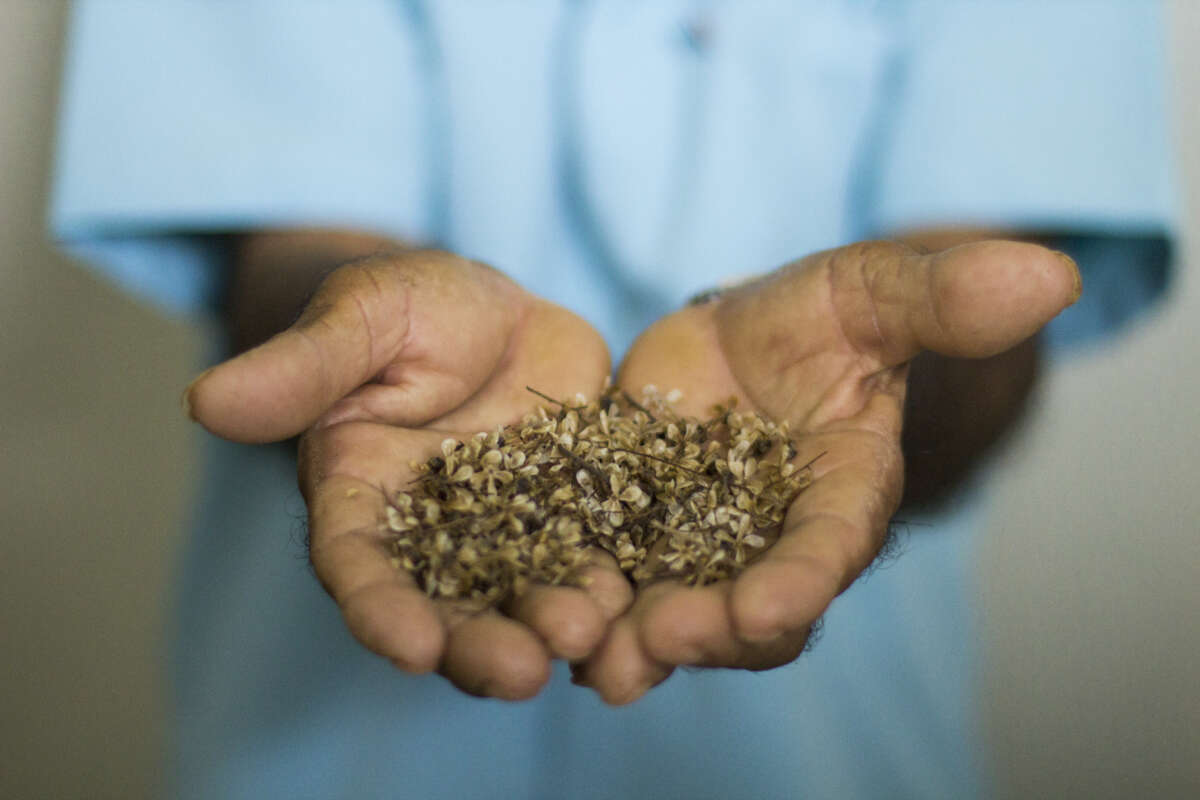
(505,509)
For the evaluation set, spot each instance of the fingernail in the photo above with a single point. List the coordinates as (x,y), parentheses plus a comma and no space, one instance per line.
(1077,292)
(185,400)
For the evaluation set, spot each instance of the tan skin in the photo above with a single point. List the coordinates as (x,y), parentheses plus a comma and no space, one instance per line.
(397,352)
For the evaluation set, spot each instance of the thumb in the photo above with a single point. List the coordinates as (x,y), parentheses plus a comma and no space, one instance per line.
(425,328)
(354,325)
(971,301)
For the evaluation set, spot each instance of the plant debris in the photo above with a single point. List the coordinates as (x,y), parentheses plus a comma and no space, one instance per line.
(666,496)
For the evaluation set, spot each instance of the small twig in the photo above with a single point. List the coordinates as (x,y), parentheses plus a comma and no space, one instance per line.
(814,459)
(552,400)
(655,458)
(591,469)
(807,466)
(629,399)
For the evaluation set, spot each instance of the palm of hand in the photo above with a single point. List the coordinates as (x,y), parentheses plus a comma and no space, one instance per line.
(391,357)
(824,344)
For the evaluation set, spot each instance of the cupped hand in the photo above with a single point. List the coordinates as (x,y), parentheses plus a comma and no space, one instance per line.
(823,343)
(394,354)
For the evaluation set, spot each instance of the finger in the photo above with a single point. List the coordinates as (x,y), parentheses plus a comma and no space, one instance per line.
(572,621)
(974,300)
(694,626)
(382,606)
(355,323)
(489,655)
(621,671)
(482,653)
(567,620)
(831,533)
(431,325)
(606,585)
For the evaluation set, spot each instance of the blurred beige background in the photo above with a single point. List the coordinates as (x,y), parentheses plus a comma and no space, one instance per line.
(1091,571)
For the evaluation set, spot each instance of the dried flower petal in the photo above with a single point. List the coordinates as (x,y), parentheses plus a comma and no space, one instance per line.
(505,509)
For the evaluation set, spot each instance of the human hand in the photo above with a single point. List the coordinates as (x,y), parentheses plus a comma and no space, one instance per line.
(823,343)
(393,355)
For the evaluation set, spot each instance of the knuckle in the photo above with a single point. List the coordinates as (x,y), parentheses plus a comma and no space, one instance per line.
(871,252)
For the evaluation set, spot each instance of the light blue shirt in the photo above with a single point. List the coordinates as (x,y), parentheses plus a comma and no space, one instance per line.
(615,157)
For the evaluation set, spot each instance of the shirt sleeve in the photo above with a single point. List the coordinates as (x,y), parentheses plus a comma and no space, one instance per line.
(179,119)
(1045,117)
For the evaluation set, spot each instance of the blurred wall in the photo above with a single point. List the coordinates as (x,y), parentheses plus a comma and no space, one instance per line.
(1090,572)
(95,460)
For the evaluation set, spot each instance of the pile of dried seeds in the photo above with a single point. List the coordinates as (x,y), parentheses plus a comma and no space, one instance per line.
(666,496)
